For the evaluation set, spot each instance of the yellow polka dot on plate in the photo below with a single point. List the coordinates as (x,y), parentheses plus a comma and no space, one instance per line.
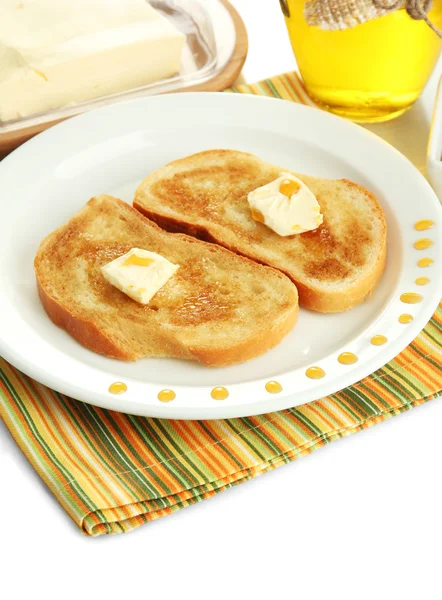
(411,298)
(273,387)
(118,387)
(219,393)
(422,281)
(423,244)
(347,358)
(166,395)
(405,318)
(425,262)
(315,373)
(424,224)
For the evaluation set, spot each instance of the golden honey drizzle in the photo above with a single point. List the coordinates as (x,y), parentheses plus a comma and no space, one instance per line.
(378,340)
(166,396)
(118,387)
(347,358)
(423,244)
(405,318)
(411,298)
(288,187)
(273,387)
(219,393)
(422,281)
(315,373)
(424,224)
(138,261)
(425,262)
(257,216)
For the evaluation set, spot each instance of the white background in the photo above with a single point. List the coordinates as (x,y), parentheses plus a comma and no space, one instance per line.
(358,519)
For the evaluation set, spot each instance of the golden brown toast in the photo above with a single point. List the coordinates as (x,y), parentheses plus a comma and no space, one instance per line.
(218,308)
(334,267)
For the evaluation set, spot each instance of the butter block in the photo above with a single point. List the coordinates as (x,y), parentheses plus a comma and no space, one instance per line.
(286,205)
(139,273)
(56,52)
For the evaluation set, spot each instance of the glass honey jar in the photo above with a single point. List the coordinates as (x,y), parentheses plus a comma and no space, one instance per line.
(369,72)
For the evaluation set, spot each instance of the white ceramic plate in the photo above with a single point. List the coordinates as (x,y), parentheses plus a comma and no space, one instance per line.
(110,150)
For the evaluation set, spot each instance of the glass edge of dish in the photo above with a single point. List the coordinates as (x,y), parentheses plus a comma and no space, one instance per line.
(176,83)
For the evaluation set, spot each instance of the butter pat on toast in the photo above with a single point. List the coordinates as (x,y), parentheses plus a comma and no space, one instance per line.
(334,267)
(218,308)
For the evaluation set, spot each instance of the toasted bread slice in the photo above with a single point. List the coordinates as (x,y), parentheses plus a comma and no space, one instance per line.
(218,308)
(334,267)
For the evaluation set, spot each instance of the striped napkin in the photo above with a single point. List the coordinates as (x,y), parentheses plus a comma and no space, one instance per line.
(112,472)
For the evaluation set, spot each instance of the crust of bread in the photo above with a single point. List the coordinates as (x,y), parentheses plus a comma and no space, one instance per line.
(247,349)
(85,332)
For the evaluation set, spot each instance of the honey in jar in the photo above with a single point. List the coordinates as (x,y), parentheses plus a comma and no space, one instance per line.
(370,72)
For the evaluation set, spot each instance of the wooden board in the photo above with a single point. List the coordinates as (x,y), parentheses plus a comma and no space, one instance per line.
(221,81)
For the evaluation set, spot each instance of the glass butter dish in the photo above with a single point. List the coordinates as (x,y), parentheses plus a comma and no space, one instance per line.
(215,48)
